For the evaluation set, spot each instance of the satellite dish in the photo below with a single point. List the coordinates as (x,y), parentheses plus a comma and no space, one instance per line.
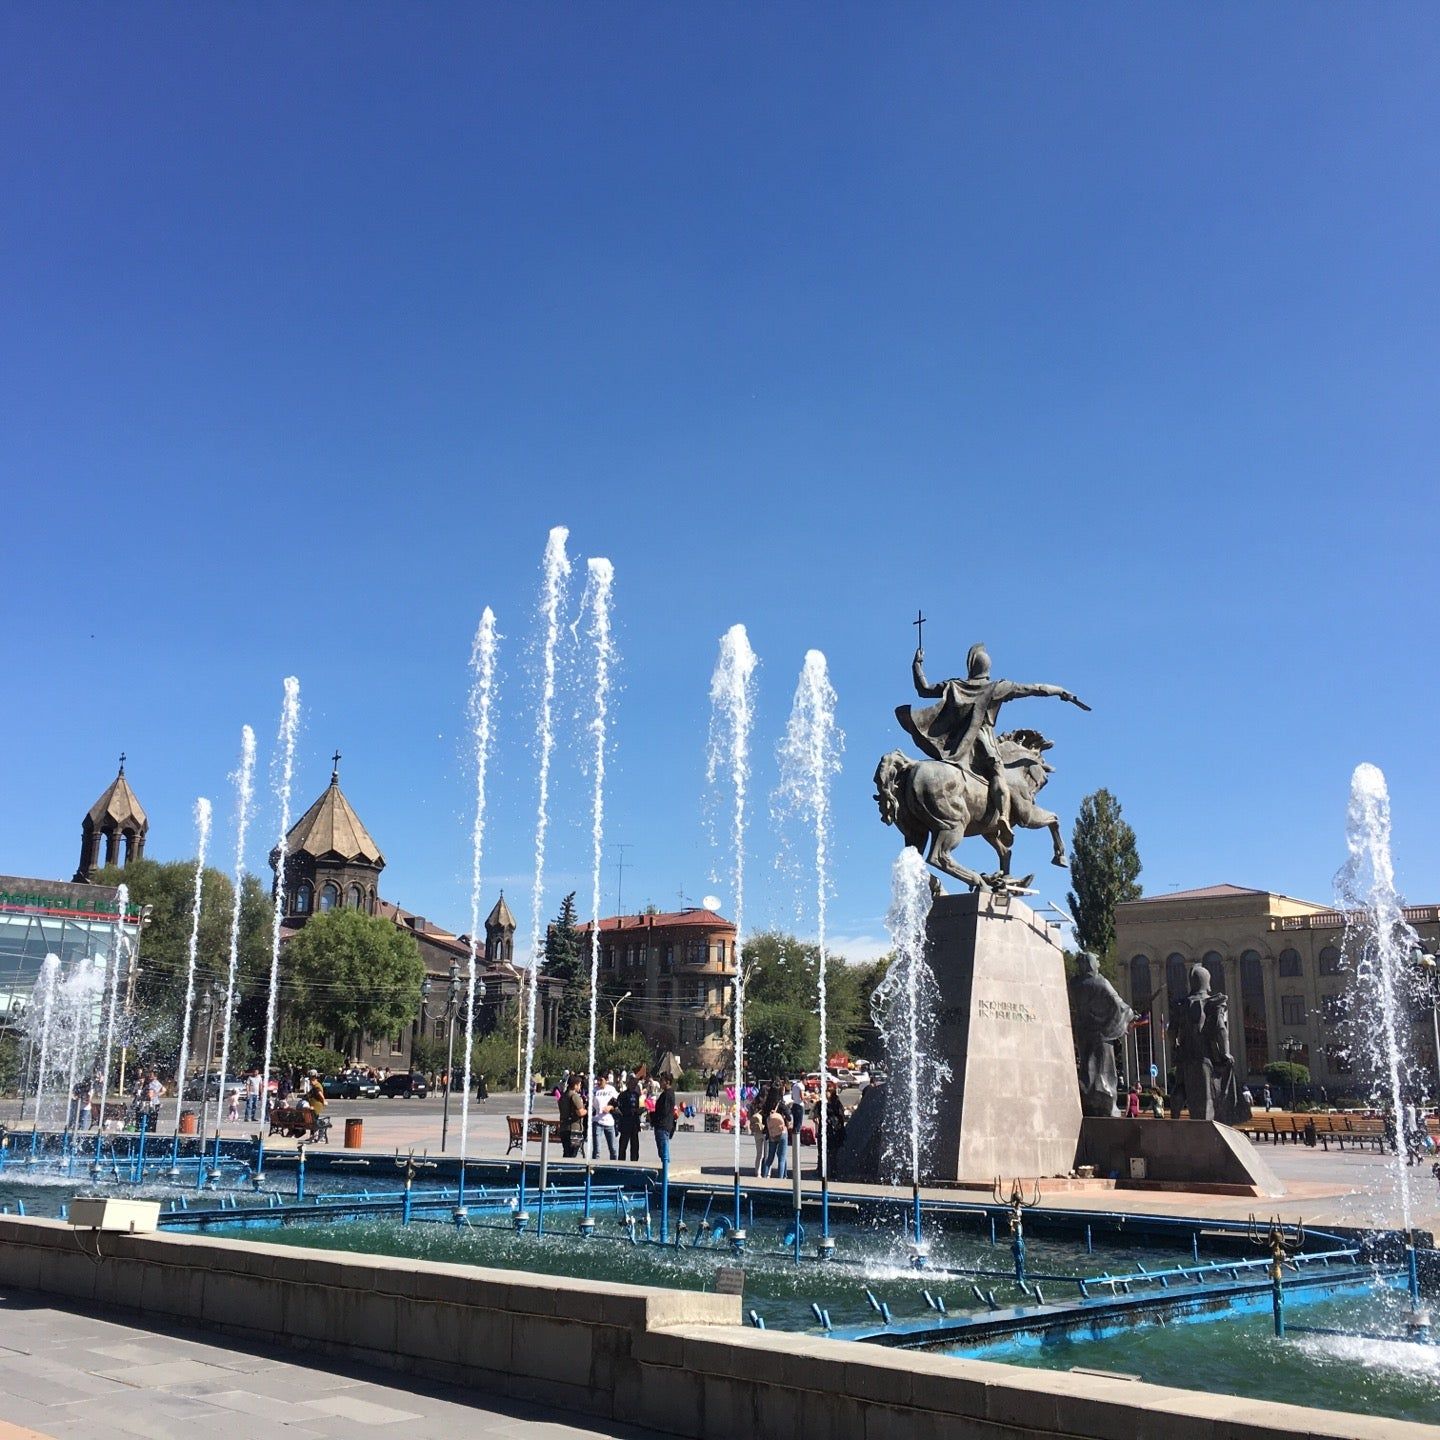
(711,902)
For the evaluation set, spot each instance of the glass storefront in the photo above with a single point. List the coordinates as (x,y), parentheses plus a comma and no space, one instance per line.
(50,917)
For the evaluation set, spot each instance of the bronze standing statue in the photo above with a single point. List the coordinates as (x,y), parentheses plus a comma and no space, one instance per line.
(1098,1018)
(1207,1086)
(975,782)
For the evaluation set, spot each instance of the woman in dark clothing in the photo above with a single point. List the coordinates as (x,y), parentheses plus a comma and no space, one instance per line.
(833,1118)
(572,1119)
(663,1121)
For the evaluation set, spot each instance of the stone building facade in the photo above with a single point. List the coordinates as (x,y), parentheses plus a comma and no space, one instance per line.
(678,971)
(1280,961)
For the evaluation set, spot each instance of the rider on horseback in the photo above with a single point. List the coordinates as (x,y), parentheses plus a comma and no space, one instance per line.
(960,730)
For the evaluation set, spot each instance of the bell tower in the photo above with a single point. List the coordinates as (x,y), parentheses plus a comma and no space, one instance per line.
(117,818)
(500,934)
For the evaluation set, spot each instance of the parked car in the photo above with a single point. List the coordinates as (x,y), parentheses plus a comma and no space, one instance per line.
(350,1087)
(404,1087)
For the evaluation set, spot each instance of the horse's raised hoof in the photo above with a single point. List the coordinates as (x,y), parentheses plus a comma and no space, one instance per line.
(1061,861)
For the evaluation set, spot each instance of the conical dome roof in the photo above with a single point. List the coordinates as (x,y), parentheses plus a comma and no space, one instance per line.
(330,829)
(500,917)
(119,805)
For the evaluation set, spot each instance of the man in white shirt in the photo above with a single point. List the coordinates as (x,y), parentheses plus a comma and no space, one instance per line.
(605,1094)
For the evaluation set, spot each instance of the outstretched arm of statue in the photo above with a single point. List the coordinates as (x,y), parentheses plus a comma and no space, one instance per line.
(1019,692)
(924,690)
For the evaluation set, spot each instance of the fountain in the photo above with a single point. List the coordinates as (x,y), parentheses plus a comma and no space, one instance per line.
(202,844)
(482,694)
(1052,1293)
(289,724)
(732,701)
(809,761)
(1381,946)
(598,593)
(555,570)
(244,779)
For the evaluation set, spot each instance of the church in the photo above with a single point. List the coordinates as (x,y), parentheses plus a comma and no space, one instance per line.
(332,862)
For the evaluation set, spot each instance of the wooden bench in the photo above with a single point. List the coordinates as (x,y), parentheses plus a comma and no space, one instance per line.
(538,1123)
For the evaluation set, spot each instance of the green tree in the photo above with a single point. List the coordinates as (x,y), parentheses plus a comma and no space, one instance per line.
(781,1003)
(1105,870)
(350,974)
(168,888)
(568,959)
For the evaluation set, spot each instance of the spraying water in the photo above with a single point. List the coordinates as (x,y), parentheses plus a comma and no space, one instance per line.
(202,844)
(732,713)
(122,904)
(809,761)
(45,986)
(602,578)
(244,779)
(904,1012)
(80,995)
(556,570)
(289,724)
(1380,945)
(482,691)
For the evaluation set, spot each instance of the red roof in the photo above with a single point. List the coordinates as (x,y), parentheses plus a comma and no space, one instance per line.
(695,917)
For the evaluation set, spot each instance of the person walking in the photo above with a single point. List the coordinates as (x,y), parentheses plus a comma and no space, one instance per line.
(482,1090)
(604,1118)
(627,1119)
(572,1119)
(663,1119)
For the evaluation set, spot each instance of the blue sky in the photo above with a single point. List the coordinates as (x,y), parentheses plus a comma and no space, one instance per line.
(1105,334)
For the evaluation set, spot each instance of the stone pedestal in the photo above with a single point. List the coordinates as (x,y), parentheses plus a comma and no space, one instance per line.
(1012,1105)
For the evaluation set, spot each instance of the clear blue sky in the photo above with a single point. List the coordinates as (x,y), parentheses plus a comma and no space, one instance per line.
(1108,334)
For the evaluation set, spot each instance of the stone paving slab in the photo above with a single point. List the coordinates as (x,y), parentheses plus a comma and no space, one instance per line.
(68,1375)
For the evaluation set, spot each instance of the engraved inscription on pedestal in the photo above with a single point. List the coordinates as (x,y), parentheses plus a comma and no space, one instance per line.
(1011,1107)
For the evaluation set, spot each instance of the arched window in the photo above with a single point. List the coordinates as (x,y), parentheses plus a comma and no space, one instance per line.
(329,896)
(304,898)
(1290,965)
(1139,981)
(1177,977)
(1329,961)
(1214,962)
(1252,999)
(372,900)
(356,898)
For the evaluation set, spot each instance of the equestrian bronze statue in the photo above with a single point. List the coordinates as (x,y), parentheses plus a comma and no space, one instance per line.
(974,782)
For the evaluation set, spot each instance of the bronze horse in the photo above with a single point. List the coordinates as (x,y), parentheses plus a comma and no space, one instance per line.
(936,805)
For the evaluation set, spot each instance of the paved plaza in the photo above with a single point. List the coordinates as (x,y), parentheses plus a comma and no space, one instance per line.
(90,1375)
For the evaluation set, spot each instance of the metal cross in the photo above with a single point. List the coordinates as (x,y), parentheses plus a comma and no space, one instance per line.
(335,761)
(919,623)
(122,762)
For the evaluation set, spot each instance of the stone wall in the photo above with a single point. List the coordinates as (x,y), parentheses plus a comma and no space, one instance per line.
(674,1360)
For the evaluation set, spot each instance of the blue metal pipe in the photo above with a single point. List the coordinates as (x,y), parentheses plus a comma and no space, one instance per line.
(665,1198)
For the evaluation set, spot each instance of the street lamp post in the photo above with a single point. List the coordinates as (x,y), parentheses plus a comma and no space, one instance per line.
(1291,1047)
(615,1012)
(447,1013)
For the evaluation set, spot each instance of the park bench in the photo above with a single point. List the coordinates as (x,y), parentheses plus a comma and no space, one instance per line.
(537,1122)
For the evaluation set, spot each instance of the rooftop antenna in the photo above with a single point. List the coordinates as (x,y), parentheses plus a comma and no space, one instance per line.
(622,846)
